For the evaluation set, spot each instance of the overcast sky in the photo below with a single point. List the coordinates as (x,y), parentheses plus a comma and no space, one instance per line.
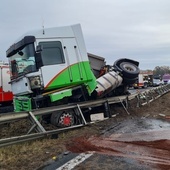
(135,29)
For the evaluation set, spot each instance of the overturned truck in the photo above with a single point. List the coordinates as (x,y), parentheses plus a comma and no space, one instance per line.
(51,67)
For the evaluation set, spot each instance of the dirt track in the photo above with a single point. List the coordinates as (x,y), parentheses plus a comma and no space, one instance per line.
(35,154)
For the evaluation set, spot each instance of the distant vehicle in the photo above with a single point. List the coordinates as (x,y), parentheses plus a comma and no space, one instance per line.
(142,81)
(6,96)
(157,82)
(165,78)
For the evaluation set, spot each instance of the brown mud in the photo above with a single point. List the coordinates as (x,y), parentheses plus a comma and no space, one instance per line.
(153,153)
(142,136)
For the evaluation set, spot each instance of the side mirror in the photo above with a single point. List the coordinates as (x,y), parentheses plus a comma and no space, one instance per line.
(38,48)
(38,57)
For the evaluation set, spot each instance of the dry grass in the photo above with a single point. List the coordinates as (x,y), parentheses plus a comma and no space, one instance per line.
(31,155)
(24,155)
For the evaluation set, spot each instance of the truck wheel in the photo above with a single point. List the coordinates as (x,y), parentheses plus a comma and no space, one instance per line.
(129,70)
(145,85)
(129,81)
(63,118)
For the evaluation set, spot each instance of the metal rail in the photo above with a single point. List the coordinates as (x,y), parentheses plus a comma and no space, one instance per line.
(13,116)
(141,97)
(28,137)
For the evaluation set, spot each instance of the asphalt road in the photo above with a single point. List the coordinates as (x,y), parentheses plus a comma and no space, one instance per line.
(133,144)
(133,91)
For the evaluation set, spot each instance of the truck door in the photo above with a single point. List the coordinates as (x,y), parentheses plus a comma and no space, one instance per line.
(74,59)
(60,62)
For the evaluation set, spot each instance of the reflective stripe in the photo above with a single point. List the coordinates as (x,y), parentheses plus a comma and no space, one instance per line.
(74,162)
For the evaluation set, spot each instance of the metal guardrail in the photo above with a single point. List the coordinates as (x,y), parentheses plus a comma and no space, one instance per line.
(142,98)
(150,95)
(13,116)
(28,137)
(36,125)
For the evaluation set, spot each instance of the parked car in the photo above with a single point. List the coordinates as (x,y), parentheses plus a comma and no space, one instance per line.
(157,82)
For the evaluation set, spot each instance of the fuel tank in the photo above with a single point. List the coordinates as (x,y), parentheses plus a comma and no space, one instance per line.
(107,83)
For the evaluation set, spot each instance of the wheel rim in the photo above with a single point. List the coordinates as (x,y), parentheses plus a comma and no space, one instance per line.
(129,68)
(66,119)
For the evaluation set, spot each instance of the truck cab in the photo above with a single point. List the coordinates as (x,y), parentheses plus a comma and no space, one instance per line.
(49,64)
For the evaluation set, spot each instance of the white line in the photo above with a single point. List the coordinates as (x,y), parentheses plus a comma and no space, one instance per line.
(74,162)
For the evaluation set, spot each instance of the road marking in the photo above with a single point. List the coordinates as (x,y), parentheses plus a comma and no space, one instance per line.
(74,162)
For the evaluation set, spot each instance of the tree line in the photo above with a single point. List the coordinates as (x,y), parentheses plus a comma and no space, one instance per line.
(158,71)
(161,70)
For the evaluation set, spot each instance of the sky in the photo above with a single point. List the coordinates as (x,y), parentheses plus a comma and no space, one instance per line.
(113,29)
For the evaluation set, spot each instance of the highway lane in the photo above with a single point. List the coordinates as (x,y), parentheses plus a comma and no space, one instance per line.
(133,144)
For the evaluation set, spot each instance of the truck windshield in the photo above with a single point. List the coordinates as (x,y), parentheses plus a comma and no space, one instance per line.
(23,61)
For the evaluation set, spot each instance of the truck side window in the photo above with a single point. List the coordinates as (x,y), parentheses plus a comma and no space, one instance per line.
(52,53)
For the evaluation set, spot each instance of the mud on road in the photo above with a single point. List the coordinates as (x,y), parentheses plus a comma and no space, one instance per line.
(144,149)
(140,140)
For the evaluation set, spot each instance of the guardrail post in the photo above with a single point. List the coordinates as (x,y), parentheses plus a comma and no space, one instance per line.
(147,97)
(124,107)
(78,107)
(138,100)
(36,124)
(107,109)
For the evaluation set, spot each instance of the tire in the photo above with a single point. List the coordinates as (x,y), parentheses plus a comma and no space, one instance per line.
(145,85)
(129,70)
(121,90)
(129,81)
(63,118)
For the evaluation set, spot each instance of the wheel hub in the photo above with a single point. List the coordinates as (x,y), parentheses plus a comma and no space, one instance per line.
(66,119)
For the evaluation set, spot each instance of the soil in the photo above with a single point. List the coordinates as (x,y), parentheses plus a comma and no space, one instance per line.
(105,137)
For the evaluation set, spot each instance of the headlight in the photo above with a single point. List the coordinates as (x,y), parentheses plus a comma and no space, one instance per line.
(35,82)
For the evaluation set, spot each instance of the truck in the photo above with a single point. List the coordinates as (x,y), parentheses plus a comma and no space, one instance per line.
(144,80)
(51,67)
(6,95)
(141,81)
